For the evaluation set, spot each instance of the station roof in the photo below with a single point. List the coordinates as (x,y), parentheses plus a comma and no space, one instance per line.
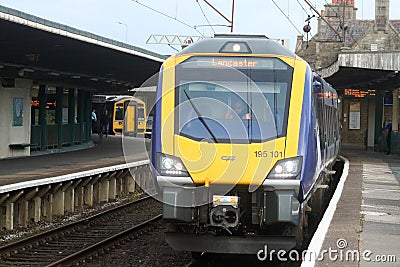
(377,70)
(55,54)
(347,77)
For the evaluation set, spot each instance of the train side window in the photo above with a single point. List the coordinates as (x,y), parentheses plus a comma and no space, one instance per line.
(319,105)
(140,112)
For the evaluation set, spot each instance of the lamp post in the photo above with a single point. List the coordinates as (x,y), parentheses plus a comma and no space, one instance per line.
(126,30)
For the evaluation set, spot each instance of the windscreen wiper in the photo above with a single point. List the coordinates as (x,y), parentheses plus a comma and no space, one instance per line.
(200,116)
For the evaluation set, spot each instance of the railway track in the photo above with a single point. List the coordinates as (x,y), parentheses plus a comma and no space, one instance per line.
(79,241)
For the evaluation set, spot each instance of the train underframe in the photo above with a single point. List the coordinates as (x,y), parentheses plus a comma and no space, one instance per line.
(244,222)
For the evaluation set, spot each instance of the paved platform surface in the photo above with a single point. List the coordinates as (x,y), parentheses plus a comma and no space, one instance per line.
(108,152)
(365,228)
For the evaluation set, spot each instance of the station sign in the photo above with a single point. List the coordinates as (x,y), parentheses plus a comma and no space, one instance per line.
(357,93)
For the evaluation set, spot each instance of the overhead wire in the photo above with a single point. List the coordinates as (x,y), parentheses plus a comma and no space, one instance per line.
(305,11)
(173,47)
(168,16)
(209,24)
(330,6)
(337,15)
(202,11)
(287,17)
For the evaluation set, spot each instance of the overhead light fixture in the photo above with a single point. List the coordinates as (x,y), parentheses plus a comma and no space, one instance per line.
(76,77)
(54,73)
(28,70)
(94,79)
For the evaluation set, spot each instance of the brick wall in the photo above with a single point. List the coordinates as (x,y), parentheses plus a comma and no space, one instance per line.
(354,136)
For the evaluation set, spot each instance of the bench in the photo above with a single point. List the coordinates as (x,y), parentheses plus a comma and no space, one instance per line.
(20,145)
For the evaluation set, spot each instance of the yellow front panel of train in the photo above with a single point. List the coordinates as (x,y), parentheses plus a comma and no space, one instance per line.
(168,104)
(228,163)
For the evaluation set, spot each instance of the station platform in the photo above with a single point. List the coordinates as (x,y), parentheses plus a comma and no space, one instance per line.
(108,152)
(361,225)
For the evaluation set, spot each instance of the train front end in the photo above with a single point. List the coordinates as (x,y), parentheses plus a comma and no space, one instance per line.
(225,150)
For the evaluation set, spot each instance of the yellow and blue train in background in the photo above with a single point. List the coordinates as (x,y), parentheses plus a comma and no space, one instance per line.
(127,113)
(235,179)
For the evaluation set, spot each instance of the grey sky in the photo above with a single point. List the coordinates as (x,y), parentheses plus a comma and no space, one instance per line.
(102,17)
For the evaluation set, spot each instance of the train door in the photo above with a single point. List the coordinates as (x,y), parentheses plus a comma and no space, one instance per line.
(130,121)
(118,120)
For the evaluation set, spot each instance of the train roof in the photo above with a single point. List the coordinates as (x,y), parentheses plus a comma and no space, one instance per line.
(114,98)
(224,43)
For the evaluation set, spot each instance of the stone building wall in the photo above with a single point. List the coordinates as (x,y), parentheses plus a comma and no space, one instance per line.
(364,36)
(389,40)
(327,54)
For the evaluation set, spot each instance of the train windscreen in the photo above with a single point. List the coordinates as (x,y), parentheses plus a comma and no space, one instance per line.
(119,112)
(232,99)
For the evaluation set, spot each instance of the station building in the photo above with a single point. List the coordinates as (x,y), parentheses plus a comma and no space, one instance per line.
(361,59)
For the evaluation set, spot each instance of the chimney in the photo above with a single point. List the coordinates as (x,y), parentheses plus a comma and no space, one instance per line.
(336,9)
(381,15)
(341,2)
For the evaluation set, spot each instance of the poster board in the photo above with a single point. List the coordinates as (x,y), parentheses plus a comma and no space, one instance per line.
(354,116)
(18,111)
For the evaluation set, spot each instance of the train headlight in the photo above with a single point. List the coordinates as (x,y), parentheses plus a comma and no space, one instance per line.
(286,169)
(235,47)
(170,165)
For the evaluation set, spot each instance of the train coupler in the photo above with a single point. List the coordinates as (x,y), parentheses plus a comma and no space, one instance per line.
(224,211)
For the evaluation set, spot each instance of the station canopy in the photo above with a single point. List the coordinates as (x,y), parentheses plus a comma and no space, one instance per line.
(58,55)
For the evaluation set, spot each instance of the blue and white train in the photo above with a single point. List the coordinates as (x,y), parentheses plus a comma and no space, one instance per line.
(232,179)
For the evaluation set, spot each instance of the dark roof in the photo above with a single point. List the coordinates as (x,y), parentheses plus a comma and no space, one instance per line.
(365,79)
(356,30)
(349,77)
(56,54)
(395,24)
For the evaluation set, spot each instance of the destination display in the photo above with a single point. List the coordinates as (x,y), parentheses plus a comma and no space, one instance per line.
(244,62)
(235,62)
(357,93)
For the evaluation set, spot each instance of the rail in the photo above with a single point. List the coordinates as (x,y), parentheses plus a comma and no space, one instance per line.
(71,241)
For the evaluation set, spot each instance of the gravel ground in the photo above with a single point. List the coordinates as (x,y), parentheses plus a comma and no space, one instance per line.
(8,236)
(149,249)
